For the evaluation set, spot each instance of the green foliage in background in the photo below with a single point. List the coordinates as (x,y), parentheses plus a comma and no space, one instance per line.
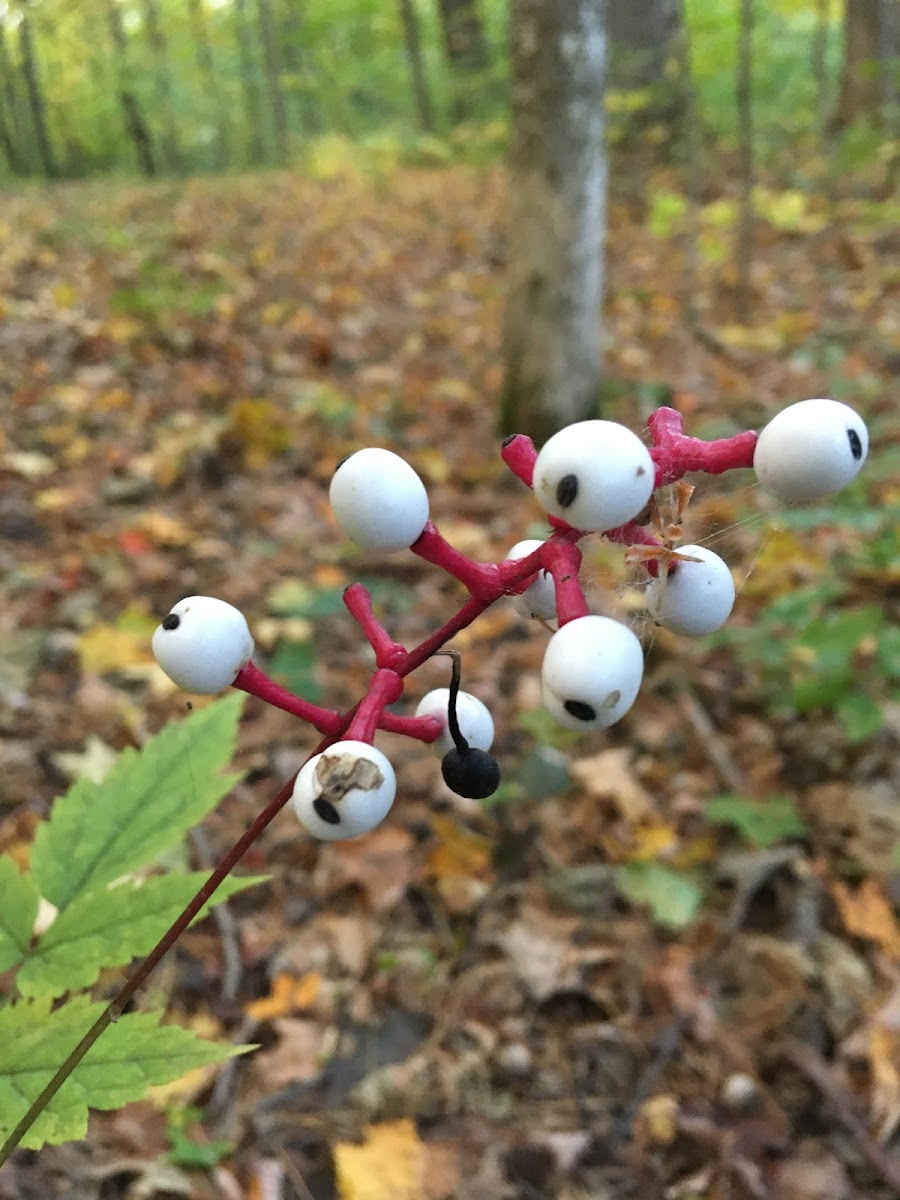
(90,862)
(342,67)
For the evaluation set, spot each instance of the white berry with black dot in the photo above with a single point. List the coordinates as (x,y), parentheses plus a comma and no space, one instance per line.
(202,644)
(591,673)
(595,475)
(345,791)
(475,721)
(695,598)
(379,500)
(810,449)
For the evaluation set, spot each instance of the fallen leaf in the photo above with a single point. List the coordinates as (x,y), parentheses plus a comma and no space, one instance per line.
(93,762)
(867,913)
(389,1165)
(608,775)
(288,995)
(384,864)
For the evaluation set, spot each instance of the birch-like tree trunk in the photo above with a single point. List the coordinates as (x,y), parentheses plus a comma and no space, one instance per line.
(465,48)
(557,212)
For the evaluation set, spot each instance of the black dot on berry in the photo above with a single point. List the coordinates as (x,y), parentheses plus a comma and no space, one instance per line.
(579,710)
(641,471)
(172,621)
(855,444)
(567,490)
(506,441)
(326,810)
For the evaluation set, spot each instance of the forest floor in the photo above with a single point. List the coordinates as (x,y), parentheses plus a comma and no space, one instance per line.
(589,988)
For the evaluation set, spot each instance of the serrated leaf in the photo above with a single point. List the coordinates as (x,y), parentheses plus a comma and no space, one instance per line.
(99,832)
(111,926)
(764,823)
(131,1055)
(19,900)
(673,898)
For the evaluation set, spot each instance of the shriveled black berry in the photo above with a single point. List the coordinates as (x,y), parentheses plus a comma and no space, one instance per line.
(472,773)
(579,710)
(172,621)
(567,490)
(326,810)
(855,444)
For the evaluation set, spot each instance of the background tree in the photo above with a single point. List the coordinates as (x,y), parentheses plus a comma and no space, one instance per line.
(164,91)
(868,77)
(643,42)
(35,93)
(207,64)
(465,48)
(253,107)
(135,123)
(557,192)
(272,63)
(412,41)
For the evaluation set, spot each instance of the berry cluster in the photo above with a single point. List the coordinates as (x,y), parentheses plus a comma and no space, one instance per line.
(591,477)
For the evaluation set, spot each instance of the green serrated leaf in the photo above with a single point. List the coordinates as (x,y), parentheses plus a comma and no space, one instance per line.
(129,1057)
(672,897)
(111,926)
(765,823)
(19,900)
(99,832)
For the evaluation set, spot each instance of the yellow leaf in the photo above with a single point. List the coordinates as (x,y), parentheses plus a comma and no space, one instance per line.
(652,840)
(288,995)
(389,1165)
(64,295)
(458,852)
(867,913)
(658,1118)
(108,648)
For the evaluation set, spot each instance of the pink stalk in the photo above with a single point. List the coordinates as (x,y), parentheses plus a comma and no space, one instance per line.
(481,579)
(359,603)
(519,454)
(563,560)
(385,687)
(675,454)
(632,534)
(256,682)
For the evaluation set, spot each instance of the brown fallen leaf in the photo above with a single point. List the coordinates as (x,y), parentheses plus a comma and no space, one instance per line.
(867,913)
(288,995)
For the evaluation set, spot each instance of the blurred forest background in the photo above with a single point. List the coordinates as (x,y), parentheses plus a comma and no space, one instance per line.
(186,86)
(238,240)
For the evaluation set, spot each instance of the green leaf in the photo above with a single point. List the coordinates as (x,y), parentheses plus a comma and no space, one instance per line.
(99,832)
(111,926)
(19,900)
(763,823)
(294,667)
(860,715)
(132,1054)
(673,898)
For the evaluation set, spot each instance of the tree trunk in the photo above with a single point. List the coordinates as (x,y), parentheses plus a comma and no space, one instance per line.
(206,63)
(871,45)
(744,96)
(642,40)
(135,125)
(159,48)
(272,63)
(250,81)
(9,107)
(557,194)
(465,48)
(413,43)
(36,97)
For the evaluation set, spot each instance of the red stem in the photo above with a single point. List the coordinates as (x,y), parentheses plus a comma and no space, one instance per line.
(563,560)
(385,687)
(359,604)
(675,454)
(256,682)
(481,579)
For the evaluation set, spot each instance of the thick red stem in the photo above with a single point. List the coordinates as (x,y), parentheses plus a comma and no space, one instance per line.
(563,560)
(255,682)
(481,579)
(385,687)
(675,454)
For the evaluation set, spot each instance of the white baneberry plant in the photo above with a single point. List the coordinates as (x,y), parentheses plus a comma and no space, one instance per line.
(594,477)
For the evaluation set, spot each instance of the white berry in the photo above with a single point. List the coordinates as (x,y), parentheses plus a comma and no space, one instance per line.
(697,597)
(379,500)
(810,449)
(591,673)
(475,721)
(539,598)
(202,644)
(595,475)
(345,791)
